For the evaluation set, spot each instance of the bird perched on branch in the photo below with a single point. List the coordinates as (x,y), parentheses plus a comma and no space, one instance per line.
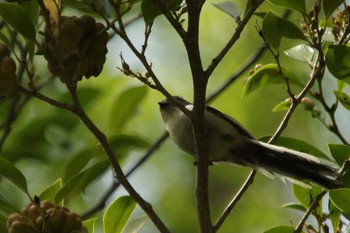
(228,141)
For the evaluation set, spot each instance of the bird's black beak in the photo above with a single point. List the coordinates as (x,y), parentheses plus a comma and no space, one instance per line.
(163,104)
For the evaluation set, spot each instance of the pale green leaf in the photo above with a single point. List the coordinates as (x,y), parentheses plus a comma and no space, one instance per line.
(230,8)
(341,199)
(135,225)
(281,229)
(303,53)
(343,98)
(50,192)
(306,196)
(117,214)
(340,152)
(266,75)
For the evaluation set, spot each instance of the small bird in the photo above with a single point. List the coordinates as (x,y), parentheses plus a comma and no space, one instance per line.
(228,141)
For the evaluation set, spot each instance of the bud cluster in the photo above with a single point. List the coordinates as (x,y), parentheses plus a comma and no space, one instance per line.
(9,85)
(79,49)
(340,22)
(46,218)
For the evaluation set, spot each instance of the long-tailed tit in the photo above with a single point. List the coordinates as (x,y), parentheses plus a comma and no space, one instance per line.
(228,141)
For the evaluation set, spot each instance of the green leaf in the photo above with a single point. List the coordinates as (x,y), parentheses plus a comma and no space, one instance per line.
(282,106)
(281,229)
(4,39)
(126,106)
(122,143)
(267,75)
(297,5)
(117,214)
(341,85)
(334,215)
(81,180)
(340,152)
(3,223)
(11,173)
(90,225)
(294,206)
(297,144)
(343,98)
(18,19)
(330,6)
(78,161)
(149,11)
(341,199)
(136,224)
(50,192)
(230,8)
(6,207)
(303,53)
(248,6)
(338,62)
(306,196)
(274,28)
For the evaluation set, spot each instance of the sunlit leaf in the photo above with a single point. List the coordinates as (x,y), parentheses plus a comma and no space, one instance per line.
(81,180)
(117,214)
(306,196)
(267,75)
(341,85)
(303,53)
(343,98)
(338,62)
(297,5)
(297,144)
(294,206)
(274,28)
(230,8)
(78,161)
(281,229)
(18,19)
(11,173)
(90,225)
(135,225)
(126,106)
(330,6)
(340,152)
(282,106)
(341,199)
(50,192)
(334,215)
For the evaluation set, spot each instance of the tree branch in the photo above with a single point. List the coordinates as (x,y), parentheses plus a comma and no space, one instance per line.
(215,62)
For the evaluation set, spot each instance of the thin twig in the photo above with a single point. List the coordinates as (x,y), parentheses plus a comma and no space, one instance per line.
(235,200)
(102,203)
(230,80)
(234,38)
(120,176)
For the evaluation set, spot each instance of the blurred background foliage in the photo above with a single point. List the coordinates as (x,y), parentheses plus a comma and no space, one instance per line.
(47,143)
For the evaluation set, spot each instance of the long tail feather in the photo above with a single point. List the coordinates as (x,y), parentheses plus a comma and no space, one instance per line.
(293,164)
